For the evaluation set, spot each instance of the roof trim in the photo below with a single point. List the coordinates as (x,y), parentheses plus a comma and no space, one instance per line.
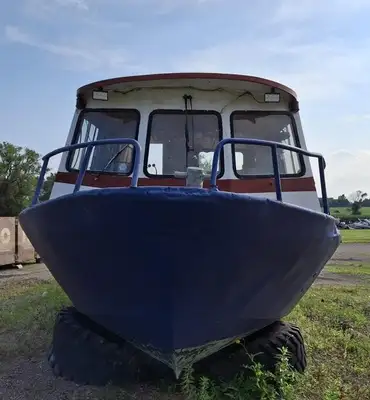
(187,75)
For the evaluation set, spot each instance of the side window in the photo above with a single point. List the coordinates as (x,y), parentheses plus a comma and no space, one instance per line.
(88,133)
(256,160)
(106,124)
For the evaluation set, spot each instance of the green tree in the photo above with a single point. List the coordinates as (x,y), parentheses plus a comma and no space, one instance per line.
(357,198)
(47,187)
(19,170)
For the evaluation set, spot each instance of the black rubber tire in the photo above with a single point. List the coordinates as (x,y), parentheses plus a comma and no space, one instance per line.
(85,353)
(266,345)
(263,345)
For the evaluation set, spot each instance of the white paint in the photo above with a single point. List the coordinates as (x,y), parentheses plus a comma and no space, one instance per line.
(5,236)
(154,95)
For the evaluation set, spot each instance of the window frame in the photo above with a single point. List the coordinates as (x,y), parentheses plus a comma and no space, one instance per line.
(164,111)
(302,171)
(77,130)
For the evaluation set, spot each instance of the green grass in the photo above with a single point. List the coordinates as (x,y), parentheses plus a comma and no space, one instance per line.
(346,212)
(27,314)
(349,269)
(335,322)
(355,235)
(336,326)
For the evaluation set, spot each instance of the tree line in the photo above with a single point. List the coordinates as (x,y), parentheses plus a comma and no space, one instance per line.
(19,170)
(354,201)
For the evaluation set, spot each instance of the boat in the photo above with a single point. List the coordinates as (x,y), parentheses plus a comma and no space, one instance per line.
(184,213)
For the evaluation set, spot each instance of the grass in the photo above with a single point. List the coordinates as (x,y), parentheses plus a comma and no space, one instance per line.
(355,235)
(350,269)
(335,322)
(346,212)
(27,314)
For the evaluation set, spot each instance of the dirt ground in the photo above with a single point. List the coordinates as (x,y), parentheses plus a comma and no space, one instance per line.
(24,379)
(33,271)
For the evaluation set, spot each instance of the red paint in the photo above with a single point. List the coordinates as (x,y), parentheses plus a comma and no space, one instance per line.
(264,185)
(186,75)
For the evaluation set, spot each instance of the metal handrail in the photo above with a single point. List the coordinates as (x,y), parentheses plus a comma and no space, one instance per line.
(273,146)
(85,162)
(135,175)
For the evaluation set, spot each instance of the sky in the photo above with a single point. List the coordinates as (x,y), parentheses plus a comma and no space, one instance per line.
(49,48)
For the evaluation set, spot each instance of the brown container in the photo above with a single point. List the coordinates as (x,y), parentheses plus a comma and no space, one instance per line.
(25,250)
(7,240)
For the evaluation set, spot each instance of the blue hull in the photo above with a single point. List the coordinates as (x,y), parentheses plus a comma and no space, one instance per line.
(175,268)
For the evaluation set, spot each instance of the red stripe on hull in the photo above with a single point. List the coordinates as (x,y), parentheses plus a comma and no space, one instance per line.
(264,185)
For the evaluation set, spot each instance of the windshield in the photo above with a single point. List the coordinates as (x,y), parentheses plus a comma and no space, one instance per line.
(106,124)
(252,160)
(179,139)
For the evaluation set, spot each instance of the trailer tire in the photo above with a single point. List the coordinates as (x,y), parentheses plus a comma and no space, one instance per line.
(85,353)
(262,346)
(266,344)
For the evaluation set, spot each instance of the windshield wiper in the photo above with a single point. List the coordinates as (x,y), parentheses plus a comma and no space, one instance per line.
(188,148)
(111,160)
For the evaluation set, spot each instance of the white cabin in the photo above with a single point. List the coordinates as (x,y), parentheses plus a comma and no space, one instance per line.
(178,119)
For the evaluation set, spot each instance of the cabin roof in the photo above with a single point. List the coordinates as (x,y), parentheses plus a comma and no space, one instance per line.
(205,77)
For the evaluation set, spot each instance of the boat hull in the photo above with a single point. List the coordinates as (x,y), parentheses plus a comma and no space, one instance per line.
(172,269)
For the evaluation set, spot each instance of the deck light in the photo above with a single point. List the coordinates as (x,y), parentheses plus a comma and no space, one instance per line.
(100,95)
(272,97)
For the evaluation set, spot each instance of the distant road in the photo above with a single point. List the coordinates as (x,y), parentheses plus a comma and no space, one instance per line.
(356,252)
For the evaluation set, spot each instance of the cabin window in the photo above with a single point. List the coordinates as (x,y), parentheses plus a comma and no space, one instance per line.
(254,160)
(106,124)
(179,139)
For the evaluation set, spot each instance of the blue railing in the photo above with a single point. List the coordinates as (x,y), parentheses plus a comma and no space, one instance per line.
(137,157)
(85,162)
(273,146)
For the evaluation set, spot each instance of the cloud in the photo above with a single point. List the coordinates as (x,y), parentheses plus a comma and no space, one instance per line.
(168,6)
(46,10)
(317,58)
(317,70)
(353,118)
(50,5)
(86,56)
(347,171)
(44,7)
(296,12)
(13,34)
(81,4)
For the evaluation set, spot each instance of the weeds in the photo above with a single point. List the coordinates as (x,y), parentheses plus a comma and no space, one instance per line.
(254,382)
